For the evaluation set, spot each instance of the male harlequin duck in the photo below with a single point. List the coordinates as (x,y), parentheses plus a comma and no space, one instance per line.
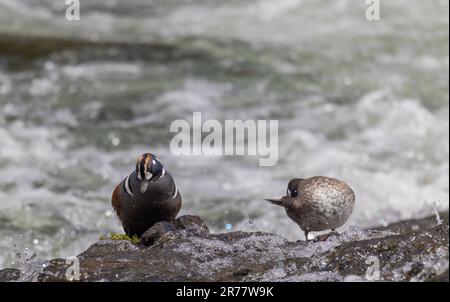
(318,203)
(146,196)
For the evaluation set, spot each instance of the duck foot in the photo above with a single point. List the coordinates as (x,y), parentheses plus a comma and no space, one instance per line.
(324,237)
(306,237)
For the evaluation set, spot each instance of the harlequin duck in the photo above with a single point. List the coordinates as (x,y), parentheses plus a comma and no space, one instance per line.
(146,196)
(318,203)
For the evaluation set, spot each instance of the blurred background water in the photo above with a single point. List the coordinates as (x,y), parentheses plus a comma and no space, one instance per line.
(363,101)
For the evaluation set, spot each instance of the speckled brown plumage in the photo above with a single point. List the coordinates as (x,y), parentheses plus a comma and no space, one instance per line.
(318,203)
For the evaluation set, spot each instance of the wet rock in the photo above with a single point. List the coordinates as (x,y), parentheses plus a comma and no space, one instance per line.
(441,278)
(192,223)
(414,224)
(157,231)
(179,251)
(399,257)
(9,274)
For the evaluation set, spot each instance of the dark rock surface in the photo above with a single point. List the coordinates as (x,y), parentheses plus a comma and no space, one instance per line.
(413,250)
(9,274)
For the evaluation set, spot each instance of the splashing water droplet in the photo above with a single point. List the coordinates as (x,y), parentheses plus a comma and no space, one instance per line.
(228,226)
(439,221)
(49,65)
(30,267)
(115,141)
(383,222)
(347,80)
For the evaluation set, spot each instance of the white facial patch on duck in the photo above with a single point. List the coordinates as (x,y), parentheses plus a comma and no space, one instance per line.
(138,168)
(288,192)
(138,172)
(148,175)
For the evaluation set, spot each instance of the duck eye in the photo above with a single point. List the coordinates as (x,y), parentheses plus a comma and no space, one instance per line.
(292,193)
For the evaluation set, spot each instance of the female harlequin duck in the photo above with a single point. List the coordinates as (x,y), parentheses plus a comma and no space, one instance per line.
(146,196)
(318,203)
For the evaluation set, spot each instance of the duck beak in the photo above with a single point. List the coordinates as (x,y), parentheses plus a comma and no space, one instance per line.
(144,185)
(278,202)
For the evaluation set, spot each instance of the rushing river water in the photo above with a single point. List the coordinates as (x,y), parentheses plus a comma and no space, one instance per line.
(366,102)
